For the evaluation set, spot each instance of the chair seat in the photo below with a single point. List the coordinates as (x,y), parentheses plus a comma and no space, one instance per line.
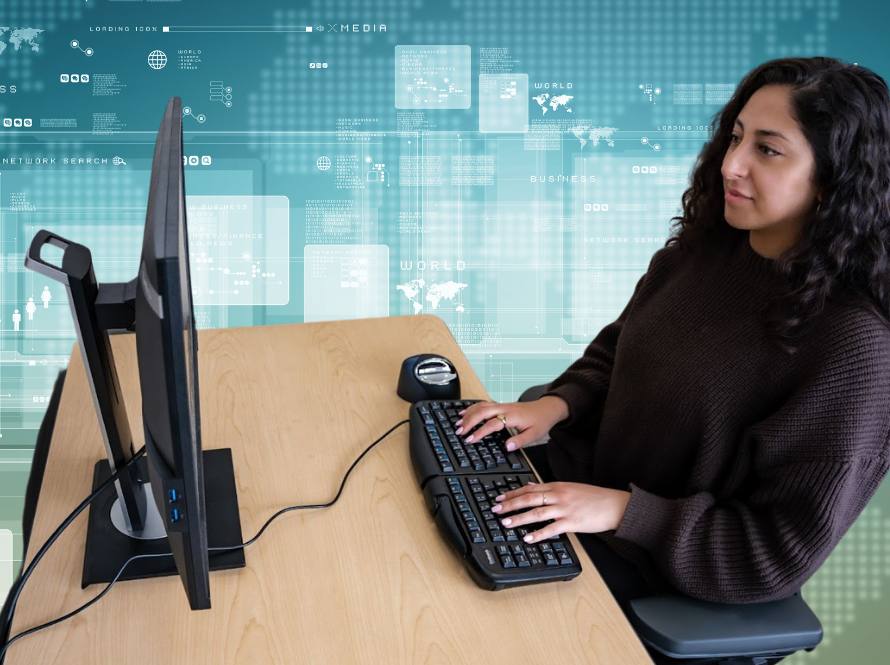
(684,627)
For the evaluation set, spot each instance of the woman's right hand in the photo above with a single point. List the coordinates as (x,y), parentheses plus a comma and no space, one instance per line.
(531,420)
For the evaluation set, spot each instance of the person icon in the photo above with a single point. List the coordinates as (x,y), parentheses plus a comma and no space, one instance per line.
(16,320)
(46,296)
(30,308)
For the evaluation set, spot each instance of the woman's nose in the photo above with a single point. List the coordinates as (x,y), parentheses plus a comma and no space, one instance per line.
(735,165)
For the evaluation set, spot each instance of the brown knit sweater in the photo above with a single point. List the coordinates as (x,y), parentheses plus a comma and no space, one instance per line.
(745,465)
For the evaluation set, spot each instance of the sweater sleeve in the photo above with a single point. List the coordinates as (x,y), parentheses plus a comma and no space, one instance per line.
(584,384)
(754,549)
(814,464)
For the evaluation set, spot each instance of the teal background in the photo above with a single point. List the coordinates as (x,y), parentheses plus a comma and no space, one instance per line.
(524,272)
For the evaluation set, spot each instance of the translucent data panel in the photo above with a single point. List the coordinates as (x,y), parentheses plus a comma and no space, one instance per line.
(346,282)
(240,249)
(432,77)
(503,102)
(5,561)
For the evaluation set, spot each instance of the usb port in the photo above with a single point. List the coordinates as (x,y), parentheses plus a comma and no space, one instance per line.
(173,495)
(175,515)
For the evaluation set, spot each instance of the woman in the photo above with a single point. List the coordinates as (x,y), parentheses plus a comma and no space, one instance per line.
(727,429)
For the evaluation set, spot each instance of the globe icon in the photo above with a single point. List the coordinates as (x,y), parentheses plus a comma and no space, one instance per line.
(323,163)
(157,59)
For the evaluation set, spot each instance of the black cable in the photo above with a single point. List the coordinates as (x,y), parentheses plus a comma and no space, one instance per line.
(314,505)
(70,614)
(26,573)
(98,596)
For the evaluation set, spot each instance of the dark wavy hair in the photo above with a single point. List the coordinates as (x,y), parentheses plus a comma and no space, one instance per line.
(843,111)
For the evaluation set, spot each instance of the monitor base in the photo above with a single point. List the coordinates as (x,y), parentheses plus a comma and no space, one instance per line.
(107,548)
(153,525)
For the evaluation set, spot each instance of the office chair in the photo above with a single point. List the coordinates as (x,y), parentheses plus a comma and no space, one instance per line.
(35,480)
(697,631)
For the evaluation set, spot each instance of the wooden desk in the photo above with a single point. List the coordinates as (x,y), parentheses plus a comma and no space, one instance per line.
(369,580)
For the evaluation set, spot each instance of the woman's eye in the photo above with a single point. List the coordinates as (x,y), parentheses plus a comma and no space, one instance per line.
(765,149)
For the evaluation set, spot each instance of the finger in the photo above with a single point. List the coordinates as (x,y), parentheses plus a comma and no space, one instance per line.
(531,516)
(521,440)
(489,426)
(525,489)
(556,528)
(473,408)
(474,415)
(529,500)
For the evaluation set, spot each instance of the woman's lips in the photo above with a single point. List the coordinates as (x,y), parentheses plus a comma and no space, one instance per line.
(732,196)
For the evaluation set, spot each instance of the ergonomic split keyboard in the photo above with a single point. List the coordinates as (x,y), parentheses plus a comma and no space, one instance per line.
(460,482)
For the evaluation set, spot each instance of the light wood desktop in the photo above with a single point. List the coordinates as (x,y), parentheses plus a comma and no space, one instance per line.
(369,580)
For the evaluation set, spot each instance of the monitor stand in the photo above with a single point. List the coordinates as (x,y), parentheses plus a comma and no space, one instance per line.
(98,309)
(108,547)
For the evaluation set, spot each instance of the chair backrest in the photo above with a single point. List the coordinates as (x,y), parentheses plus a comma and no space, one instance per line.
(35,480)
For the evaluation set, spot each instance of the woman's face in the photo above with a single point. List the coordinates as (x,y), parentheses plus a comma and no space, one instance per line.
(770,165)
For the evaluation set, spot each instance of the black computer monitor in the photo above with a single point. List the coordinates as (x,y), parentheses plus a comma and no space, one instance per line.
(166,346)
(178,498)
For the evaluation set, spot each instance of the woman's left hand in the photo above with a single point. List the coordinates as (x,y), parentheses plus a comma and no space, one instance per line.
(572,507)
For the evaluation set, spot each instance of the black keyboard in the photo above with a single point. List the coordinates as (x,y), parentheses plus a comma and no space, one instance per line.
(460,481)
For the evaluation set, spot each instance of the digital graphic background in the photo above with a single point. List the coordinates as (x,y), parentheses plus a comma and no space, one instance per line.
(507,166)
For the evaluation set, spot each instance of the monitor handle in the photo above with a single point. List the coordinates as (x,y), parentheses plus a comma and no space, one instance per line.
(115,303)
(33,260)
(96,310)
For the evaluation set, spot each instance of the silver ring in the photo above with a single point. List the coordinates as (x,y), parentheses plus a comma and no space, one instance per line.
(544,498)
